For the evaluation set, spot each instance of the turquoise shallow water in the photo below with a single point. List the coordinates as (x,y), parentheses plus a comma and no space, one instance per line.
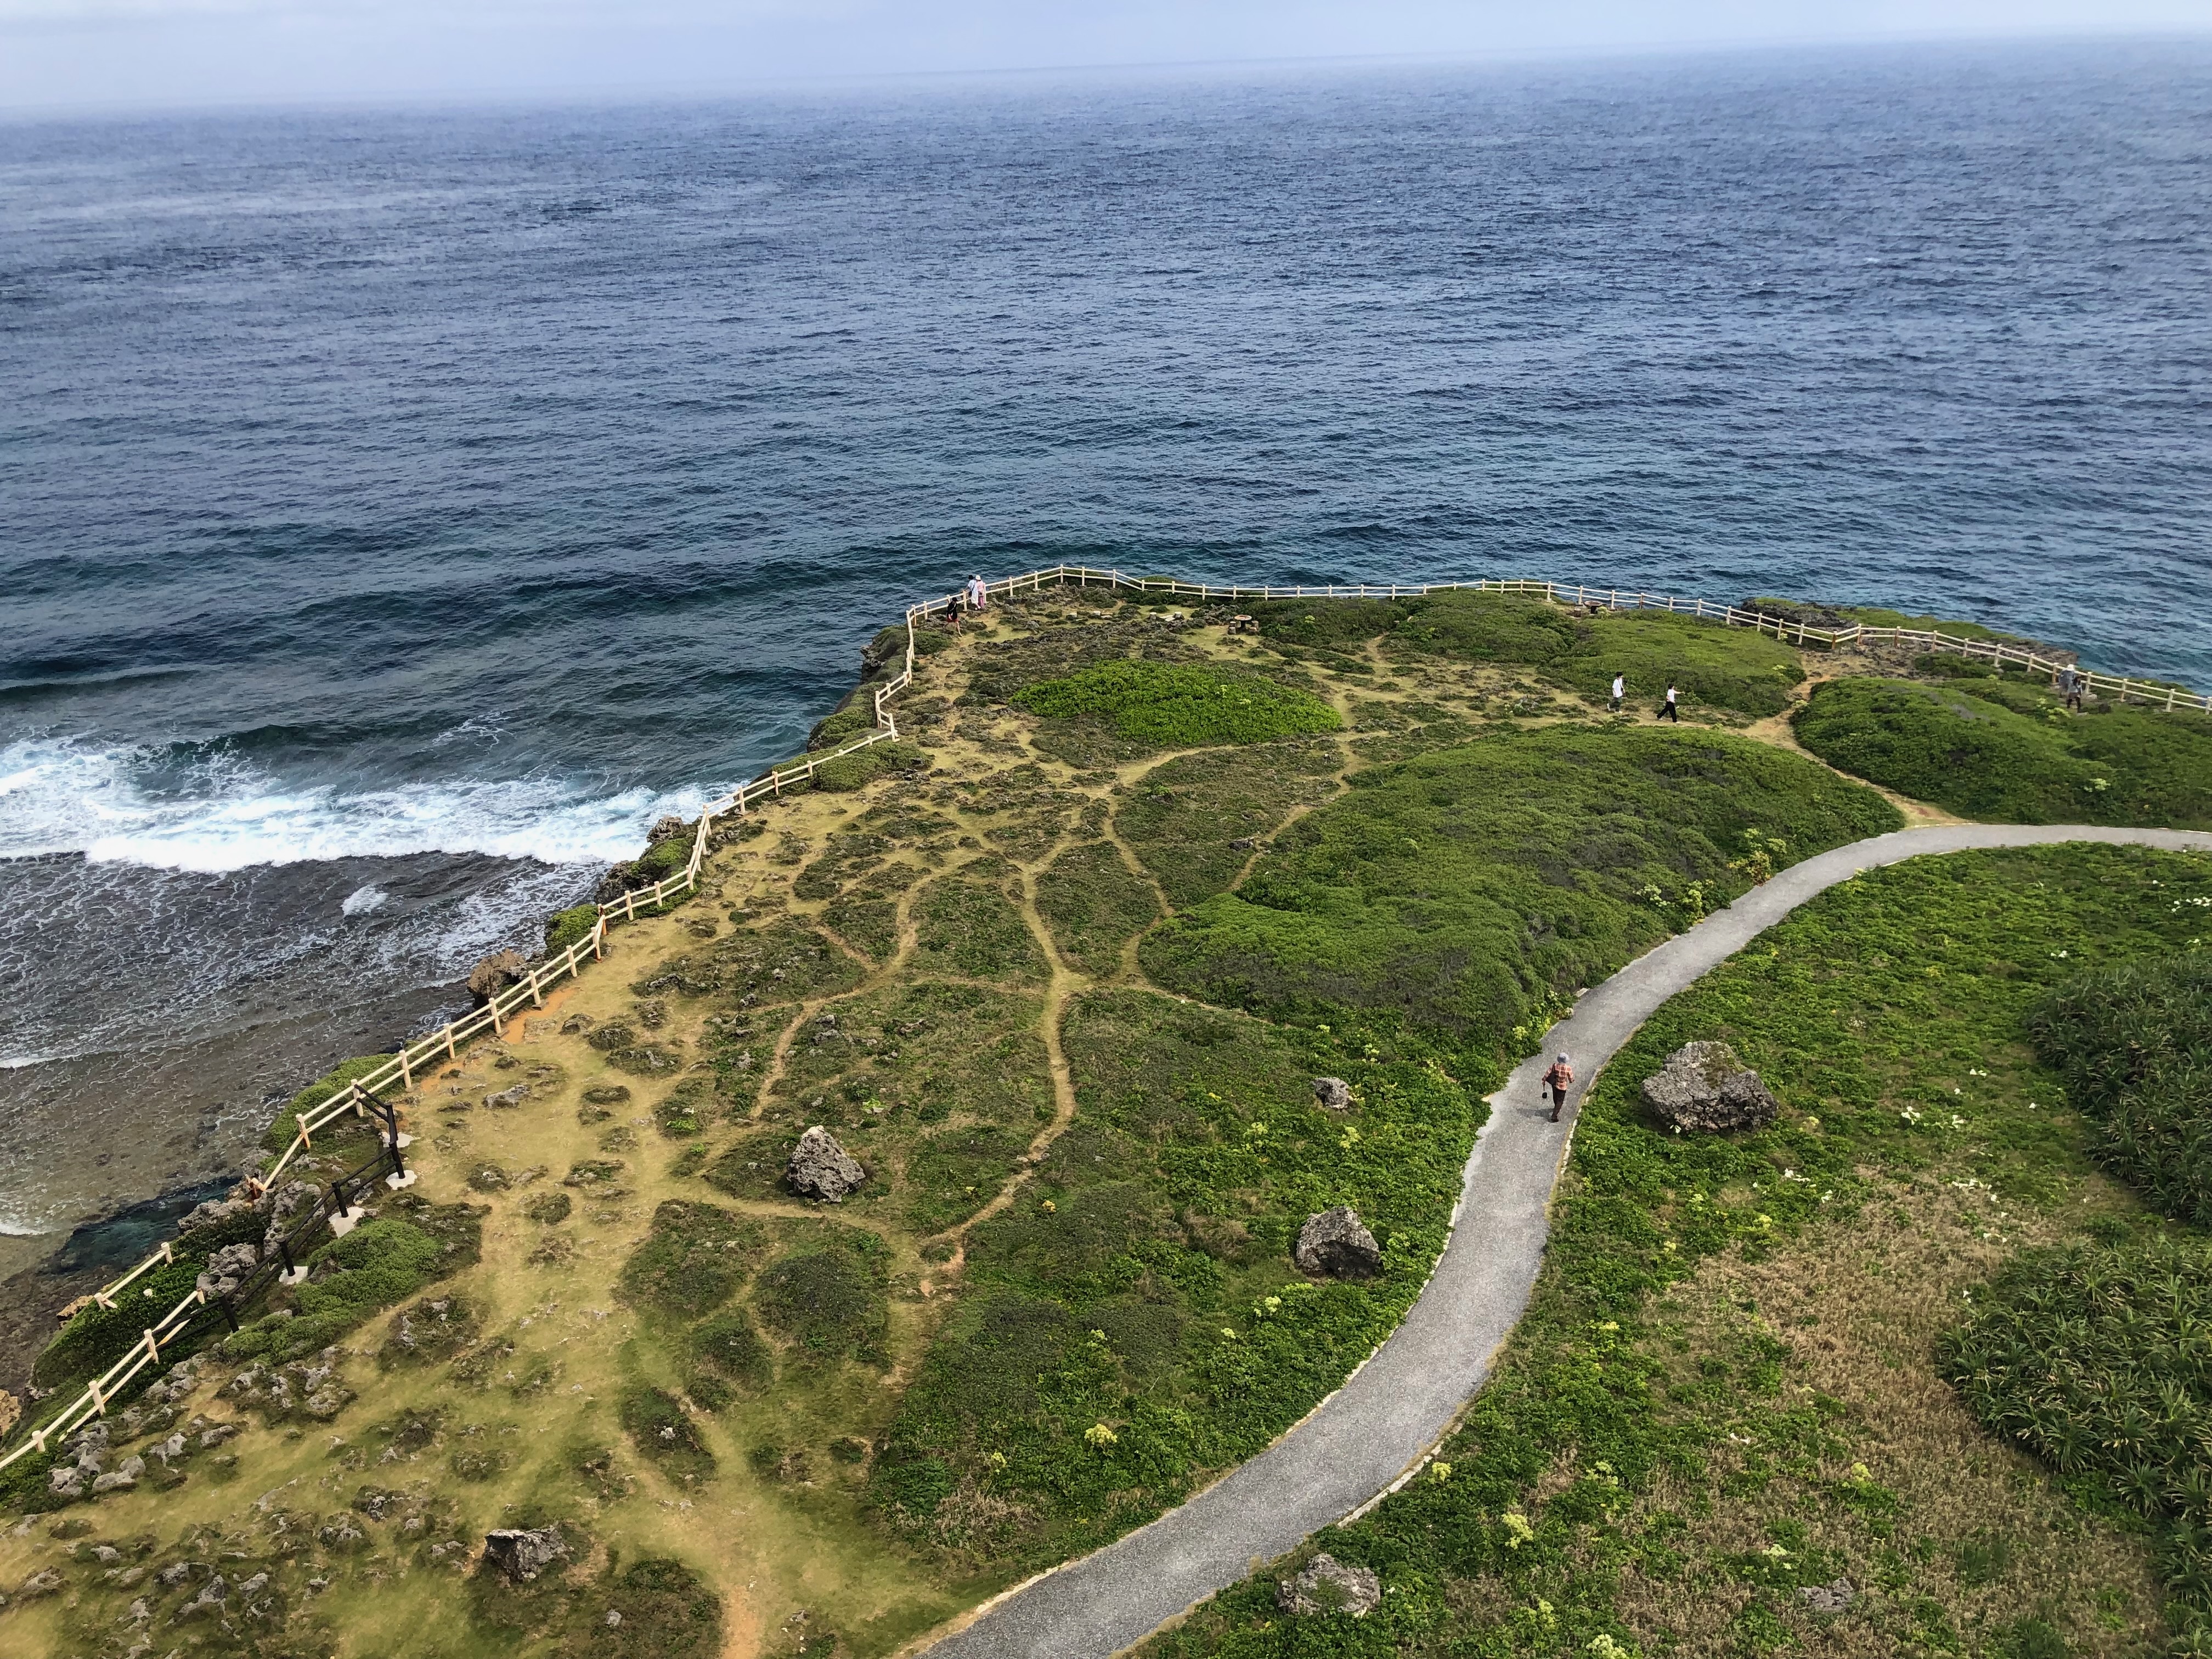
(398,509)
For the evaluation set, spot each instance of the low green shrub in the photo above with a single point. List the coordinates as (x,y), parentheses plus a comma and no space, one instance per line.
(2133,1044)
(662,1429)
(729,1348)
(693,1257)
(1180,705)
(285,1126)
(97,1337)
(864,766)
(2094,1359)
(1474,889)
(379,1263)
(2007,753)
(566,927)
(830,1297)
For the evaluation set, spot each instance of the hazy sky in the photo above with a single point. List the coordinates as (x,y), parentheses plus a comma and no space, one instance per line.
(139,52)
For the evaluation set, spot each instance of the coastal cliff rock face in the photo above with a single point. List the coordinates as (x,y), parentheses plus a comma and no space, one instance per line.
(1704,1089)
(1326,1585)
(821,1170)
(1336,1244)
(668,828)
(494,973)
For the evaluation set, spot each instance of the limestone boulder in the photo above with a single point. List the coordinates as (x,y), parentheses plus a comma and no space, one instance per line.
(1333,1093)
(1336,1244)
(494,973)
(1328,1585)
(1705,1088)
(521,1553)
(226,1269)
(821,1170)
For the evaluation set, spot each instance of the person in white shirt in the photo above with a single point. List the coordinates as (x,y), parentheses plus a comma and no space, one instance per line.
(1668,712)
(978,594)
(1620,690)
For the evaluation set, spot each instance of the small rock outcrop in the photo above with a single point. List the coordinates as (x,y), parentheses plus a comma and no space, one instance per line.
(1336,1244)
(522,1555)
(1326,1585)
(226,1267)
(668,828)
(821,1170)
(1333,1093)
(494,973)
(1829,1598)
(1704,1089)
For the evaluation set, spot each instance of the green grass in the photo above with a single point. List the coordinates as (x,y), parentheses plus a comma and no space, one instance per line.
(1475,889)
(1622,1441)
(1735,669)
(1136,1320)
(972,925)
(2006,752)
(1177,706)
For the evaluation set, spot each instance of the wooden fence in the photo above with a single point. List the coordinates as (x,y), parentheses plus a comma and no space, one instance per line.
(360,1098)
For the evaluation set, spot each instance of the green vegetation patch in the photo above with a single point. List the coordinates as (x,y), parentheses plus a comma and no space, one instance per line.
(1094,906)
(2094,1359)
(378,1264)
(727,1350)
(1628,1466)
(1180,705)
(2006,752)
(344,1132)
(1736,669)
(566,927)
(1133,1321)
(829,1296)
(968,925)
(694,1256)
(1474,890)
(1185,818)
(2134,1043)
(783,962)
(659,1427)
(952,1173)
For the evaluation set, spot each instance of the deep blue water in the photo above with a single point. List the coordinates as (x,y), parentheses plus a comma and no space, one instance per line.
(398,509)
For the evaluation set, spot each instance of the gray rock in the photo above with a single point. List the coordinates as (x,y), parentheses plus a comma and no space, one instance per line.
(215,1213)
(1328,1585)
(509,1097)
(1705,1088)
(669,829)
(522,1555)
(821,1170)
(1335,1244)
(1333,1092)
(226,1267)
(1829,1598)
(494,973)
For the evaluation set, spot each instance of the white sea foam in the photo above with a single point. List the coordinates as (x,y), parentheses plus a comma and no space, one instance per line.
(59,796)
(363,900)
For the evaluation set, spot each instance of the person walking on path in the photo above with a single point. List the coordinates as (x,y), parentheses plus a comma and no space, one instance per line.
(1558,1079)
(2070,687)
(1668,711)
(978,594)
(1620,690)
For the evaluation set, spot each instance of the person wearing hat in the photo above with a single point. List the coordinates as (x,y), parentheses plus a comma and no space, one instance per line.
(1558,1079)
(979,595)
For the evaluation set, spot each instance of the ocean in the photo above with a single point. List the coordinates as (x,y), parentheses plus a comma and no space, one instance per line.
(400,508)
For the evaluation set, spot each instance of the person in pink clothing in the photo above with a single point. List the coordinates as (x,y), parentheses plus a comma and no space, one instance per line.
(978,594)
(1558,1080)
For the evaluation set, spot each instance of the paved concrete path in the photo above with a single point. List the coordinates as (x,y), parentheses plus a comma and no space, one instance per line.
(1393,1410)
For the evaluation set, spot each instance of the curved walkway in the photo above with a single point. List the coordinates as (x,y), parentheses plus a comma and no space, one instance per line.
(1384,1420)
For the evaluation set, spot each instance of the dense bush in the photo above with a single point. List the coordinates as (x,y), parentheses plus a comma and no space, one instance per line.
(1474,889)
(285,1126)
(1180,705)
(2133,1044)
(2095,1360)
(2005,751)
(565,927)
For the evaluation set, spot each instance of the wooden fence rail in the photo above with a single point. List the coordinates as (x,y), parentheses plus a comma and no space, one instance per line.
(360,1098)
